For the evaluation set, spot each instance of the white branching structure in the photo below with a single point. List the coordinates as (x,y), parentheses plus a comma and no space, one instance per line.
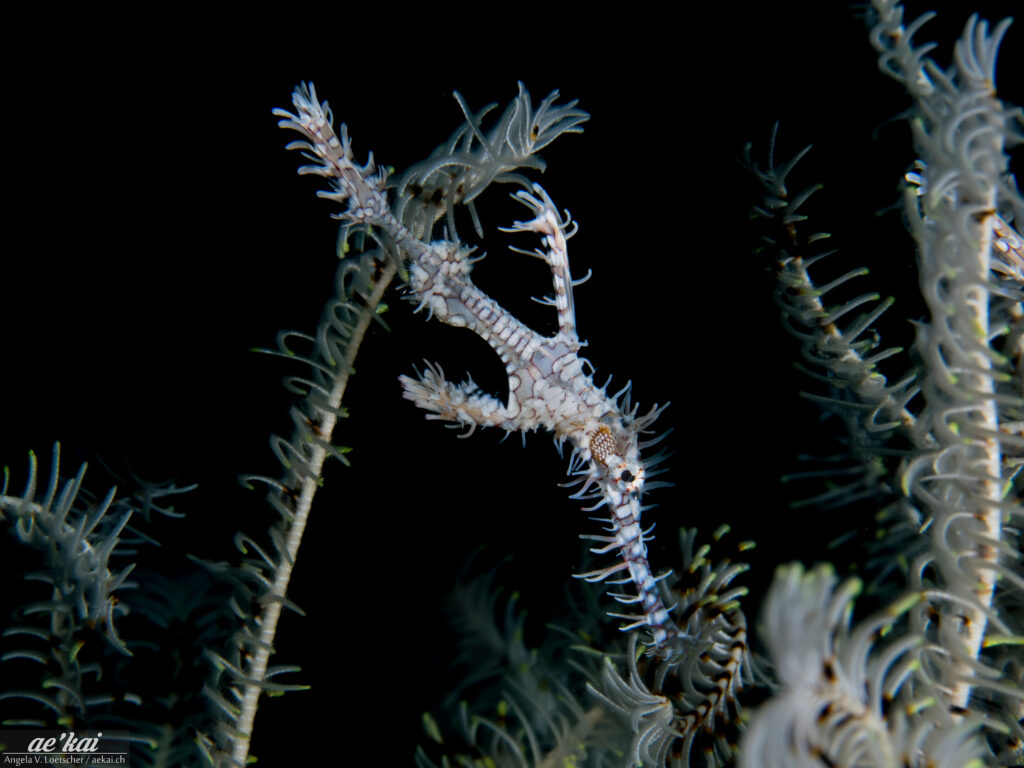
(946,675)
